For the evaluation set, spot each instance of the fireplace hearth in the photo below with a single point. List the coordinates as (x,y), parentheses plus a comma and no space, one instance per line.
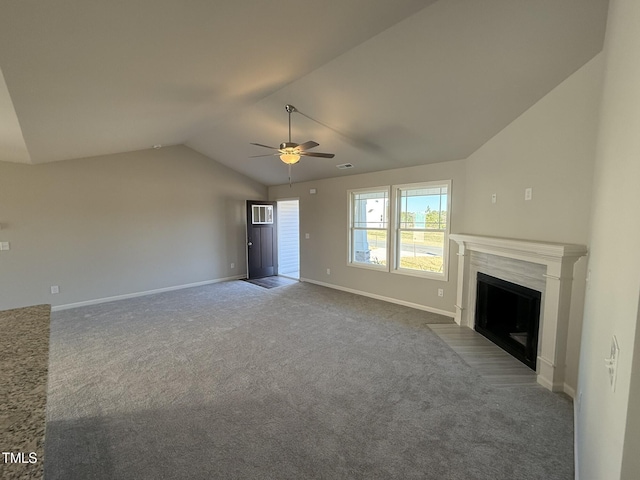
(508,314)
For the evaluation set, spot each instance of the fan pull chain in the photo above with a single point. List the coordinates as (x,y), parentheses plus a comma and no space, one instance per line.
(289,175)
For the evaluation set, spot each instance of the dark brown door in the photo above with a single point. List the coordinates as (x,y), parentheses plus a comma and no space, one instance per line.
(262,243)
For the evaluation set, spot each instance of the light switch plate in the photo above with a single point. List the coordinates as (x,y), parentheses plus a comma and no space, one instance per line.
(612,362)
(4,246)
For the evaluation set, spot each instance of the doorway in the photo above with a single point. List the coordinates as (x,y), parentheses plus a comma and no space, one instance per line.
(262,244)
(289,238)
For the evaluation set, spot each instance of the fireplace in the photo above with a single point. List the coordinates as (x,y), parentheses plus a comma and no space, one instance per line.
(541,266)
(508,314)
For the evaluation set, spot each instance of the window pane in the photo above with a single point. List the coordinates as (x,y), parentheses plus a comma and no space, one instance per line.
(423,207)
(370,209)
(421,251)
(370,247)
(369,227)
(261,214)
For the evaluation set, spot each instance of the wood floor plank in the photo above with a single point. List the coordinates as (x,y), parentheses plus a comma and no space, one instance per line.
(491,362)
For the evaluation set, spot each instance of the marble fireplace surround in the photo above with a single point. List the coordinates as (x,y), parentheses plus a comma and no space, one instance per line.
(543,266)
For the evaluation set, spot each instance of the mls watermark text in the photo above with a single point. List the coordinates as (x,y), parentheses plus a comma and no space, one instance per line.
(19,457)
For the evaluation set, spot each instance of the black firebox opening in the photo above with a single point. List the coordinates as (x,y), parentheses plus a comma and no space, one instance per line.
(508,315)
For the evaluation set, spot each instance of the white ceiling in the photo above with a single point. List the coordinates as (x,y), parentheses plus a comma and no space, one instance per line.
(390,83)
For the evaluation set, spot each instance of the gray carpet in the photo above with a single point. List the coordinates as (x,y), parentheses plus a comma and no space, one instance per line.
(233,381)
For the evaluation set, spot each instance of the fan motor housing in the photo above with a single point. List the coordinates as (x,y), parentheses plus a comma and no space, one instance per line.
(285,145)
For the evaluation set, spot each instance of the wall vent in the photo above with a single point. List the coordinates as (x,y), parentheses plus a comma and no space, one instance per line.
(344,166)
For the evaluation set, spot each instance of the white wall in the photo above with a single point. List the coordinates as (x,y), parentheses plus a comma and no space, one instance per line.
(551,149)
(608,443)
(630,457)
(119,224)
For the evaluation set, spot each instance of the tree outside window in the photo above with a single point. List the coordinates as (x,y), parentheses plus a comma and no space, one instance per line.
(422,228)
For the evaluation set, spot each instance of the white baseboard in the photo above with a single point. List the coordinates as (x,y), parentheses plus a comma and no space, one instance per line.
(381,297)
(569,391)
(576,459)
(142,294)
(556,387)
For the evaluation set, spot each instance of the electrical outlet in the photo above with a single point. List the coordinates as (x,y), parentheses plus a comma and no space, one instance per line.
(441,292)
(528,193)
(4,246)
(55,289)
(233,265)
(307,236)
(328,271)
(494,198)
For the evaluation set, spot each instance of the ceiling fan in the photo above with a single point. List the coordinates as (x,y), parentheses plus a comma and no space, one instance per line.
(290,152)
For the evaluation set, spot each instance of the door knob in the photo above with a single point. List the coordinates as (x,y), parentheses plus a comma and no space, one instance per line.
(249,244)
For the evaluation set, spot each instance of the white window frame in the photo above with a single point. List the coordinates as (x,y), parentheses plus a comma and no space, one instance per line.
(352,229)
(261,214)
(397,231)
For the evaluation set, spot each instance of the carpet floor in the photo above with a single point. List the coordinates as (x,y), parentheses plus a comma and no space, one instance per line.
(234,381)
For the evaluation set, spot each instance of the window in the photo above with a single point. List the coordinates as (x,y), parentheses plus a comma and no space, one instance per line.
(422,228)
(369,228)
(261,214)
(417,245)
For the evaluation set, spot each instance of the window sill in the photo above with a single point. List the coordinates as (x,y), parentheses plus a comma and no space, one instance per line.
(366,266)
(442,277)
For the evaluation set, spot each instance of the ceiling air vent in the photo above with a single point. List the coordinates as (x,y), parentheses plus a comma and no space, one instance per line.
(344,166)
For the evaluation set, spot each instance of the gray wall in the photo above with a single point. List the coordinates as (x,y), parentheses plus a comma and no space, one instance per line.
(119,224)
(325,217)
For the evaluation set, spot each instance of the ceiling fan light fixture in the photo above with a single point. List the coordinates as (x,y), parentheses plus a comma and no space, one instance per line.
(290,152)
(290,158)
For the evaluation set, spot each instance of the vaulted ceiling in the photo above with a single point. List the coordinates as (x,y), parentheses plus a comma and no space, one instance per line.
(382,84)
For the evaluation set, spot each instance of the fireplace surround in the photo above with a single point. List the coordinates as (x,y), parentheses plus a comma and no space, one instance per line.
(543,266)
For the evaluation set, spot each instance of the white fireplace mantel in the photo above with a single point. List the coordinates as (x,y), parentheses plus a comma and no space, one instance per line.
(558,260)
